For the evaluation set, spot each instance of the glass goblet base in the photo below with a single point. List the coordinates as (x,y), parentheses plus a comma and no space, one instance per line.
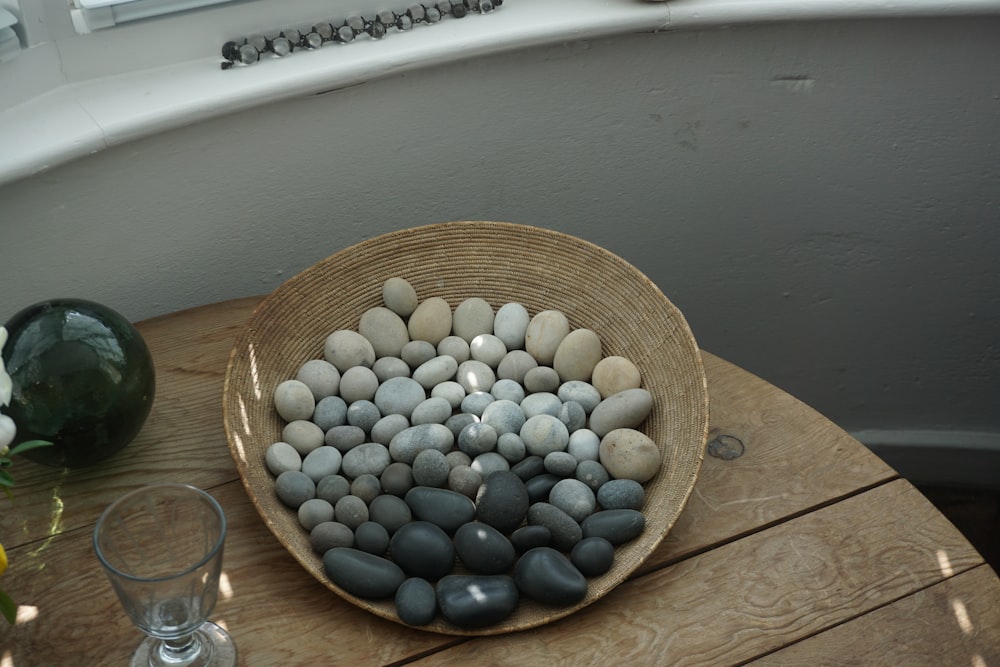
(215,649)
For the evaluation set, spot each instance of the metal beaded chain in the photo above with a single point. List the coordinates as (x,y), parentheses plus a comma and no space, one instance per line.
(253,47)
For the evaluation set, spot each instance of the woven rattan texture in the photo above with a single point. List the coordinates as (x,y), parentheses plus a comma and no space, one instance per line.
(500,262)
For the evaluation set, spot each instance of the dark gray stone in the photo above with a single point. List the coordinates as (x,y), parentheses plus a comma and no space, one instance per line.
(416,601)
(442,507)
(390,512)
(616,526)
(502,501)
(566,532)
(372,537)
(621,494)
(547,576)
(529,537)
(540,486)
(423,550)
(593,556)
(484,549)
(476,601)
(362,574)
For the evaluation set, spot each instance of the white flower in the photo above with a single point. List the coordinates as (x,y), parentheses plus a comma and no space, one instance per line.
(5,384)
(7,431)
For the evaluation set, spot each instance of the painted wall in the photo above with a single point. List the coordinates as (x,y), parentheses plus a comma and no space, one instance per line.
(821,200)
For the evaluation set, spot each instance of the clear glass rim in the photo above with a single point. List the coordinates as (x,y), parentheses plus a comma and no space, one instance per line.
(209,555)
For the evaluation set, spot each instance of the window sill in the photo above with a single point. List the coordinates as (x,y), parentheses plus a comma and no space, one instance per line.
(73,119)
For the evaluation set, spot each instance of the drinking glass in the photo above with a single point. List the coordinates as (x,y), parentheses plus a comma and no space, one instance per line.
(161,548)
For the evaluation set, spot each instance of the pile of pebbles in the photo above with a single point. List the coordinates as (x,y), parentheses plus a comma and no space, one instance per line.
(500,440)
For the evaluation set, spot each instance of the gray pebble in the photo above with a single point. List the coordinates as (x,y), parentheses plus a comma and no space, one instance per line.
(621,494)
(581,392)
(584,445)
(476,600)
(541,403)
(385,429)
(540,486)
(399,296)
(367,487)
(346,348)
(442,507)
(488,349)
(362,574)
(515,365)
(423,550)
(293,399)
(364,414)
(483,549)
(476,402)
(475,376)
(463,479)
(294,487)
(330,534)
(560,464)
(528,467)
(616,526)
(330,411)
(385,330)
(510,323)
(390,512)
(505,416)
(303,435)
(386,368)
(459,421)
(593,474)
(431,411)
(450,391)
(314,512)
(372,537)
(351,511)
(345,437)
(488,463)
(540,379)
(431,468)
(322,378)
(418,352)
(280,456)
(358,384)
(399,395)
(573,415)
(370,457)
(472,317)
(511,447)
(408,443)
(502,501)
(333,488)
(397,479)
(477,438)
(573,497)
(566,532)
(457,457)
(543,434)
(321,462)
(547,576)
(508,390)
(455,347)
(434,371)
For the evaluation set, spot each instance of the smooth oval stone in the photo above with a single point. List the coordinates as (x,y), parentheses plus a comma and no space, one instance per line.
(321,462)
(367,487)
(386,428)
(477,402)
(322,378)
(445,508)
(280,456)
(584,445)
(593,556)
(510,325)
(476,601)
(458,458)
(364,414)
(385,330)
(577,355)
(626,409)
(543,434)
(345,349)
(477,438)
(332,488)
(431,320)
(529,537)
(370,458)
(528,467)
(450,391)
(508,390)
(573,415)
(358,384)
(541,403)
(455,347)
(390,367)
(475,376)
(345,437)
(397,478)
(372,537)
(293,399)
(488,349)
(511,447)
(431,468)
(416,601)
(423,549)
(616,526)
(541,378)
(313,512)
(474,316)
(515,365)
(399,395)
(615,374)
(573,497)
(458,421)
(399,296)
(566,532)
(630,454)
(544,333)
(484,549)
(303,435)
(488,463)
(504,416)
(431,411)
(540,486)
(362,574)
(351,511)
(330,411)
(593,474)
(435,371)
(408,443)
(463,479)
(294,487)
(547,576)
(581,392)
(416,353)
(560,464)
(390,512)
(330,534)
(502,501)
(621,494)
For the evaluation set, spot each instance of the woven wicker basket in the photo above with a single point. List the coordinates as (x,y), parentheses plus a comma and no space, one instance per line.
(500,262)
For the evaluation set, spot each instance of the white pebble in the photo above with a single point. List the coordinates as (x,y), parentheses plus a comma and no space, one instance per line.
(417,352)
(293,399)
(399,395)
(583,393)
(508,390)
(541,403)
(504,416)
(584,445)
(476,402)
(488,463)
(475,376)
(435,371)
(510,325)
(390,367)
(515,365)
(431,411)
(386,428)
(543,434)
(488,349)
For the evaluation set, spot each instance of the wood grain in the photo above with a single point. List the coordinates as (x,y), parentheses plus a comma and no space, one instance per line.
(754,595)
(955,623)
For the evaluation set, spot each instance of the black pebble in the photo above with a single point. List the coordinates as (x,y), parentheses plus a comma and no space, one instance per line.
(593,556)
(361,573)
(547,576)
(423,549)
(484,549)
(476,601)
(416,601)
(529,537)
(502,501)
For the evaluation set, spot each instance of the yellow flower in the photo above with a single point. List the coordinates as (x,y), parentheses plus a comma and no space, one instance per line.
(3,560)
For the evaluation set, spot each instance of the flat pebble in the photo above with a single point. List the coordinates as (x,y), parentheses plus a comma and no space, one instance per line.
(458,458)
(313,512)
(399,296)
(431,320)
(321,462)
(385,330)
(293,399)
(330,411)
(346,349)
(431,468)
(358,383)
(502,501)
(362,574)
(351,511)
(474,316)
(322,378)
(294,487)
(330,534)
(515,365)
(545,331)
(630,454)
(483,549)
(560,464)
(573,497)
(577,355)
(370,457)
(435,371)
(416,602)
(547,576)
(510,325)
(410,442)
(473,601)
(626,409)
(621,494)
(280,456)
(442,507)
(399,395)
(616,526)
(528,467)
(422,549)
(303,435)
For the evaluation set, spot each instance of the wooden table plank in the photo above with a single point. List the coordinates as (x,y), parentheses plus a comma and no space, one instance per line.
(754,595)
(955,623)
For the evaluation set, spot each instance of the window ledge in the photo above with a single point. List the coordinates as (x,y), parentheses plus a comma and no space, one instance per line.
(75,119)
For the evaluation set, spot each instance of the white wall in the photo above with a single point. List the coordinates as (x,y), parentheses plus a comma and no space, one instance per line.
(820,199)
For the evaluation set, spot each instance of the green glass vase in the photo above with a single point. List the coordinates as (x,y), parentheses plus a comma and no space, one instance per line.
(82,378)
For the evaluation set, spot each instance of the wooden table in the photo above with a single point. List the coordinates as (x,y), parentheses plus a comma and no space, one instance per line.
(798,547)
